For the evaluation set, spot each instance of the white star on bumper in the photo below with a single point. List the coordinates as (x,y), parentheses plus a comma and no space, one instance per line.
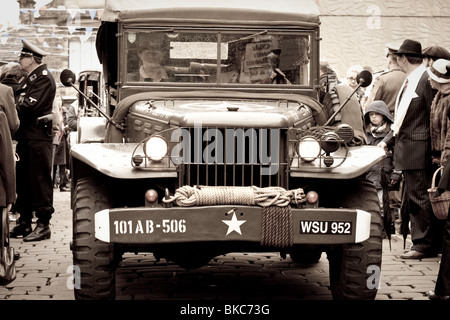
(234,224)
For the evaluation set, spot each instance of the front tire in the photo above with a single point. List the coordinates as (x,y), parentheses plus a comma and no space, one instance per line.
(355,268)
(94,258)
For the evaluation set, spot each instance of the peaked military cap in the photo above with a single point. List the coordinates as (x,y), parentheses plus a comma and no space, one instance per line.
(392,47)
(30,50)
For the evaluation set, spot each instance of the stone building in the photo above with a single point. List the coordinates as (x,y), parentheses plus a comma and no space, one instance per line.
(65,29)
(353,31)
(356,31)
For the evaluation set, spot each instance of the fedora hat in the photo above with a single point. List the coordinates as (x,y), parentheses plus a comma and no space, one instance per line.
(410,48)
(440,71)
(436,52)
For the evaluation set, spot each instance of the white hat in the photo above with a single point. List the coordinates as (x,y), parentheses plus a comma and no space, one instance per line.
(392,47)
(440,71)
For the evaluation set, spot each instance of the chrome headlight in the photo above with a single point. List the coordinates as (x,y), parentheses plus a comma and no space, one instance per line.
(330,142)
(155,148)
(308,148)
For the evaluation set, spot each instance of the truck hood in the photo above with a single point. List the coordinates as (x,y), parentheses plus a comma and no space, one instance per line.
(224,113)
(219,109)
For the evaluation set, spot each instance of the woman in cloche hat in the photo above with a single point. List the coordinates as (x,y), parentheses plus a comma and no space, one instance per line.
(439,77)
(439,108)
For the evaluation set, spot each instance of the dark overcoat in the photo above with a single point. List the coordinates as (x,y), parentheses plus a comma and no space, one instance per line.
(34,99)
(7,178)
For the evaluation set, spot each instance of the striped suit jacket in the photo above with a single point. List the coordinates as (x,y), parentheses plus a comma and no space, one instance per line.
(413,141)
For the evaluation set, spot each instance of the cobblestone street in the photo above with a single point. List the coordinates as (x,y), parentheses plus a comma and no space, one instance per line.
(188,129)
(44,272)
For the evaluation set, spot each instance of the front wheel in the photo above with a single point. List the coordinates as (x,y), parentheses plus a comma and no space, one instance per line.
(94,258)
(355,268)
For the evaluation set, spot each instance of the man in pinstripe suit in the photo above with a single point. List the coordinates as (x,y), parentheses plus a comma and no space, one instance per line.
(411,129)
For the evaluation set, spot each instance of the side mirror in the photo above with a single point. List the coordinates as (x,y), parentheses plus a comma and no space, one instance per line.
(67,78)
(364,78)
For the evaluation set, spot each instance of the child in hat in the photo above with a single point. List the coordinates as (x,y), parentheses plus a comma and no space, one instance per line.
(378,121)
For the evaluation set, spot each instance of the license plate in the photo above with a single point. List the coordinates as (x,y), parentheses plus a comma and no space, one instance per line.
(331,226)
(148,226)
(326,227)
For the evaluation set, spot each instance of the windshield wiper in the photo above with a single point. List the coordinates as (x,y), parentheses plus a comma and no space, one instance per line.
(249,37)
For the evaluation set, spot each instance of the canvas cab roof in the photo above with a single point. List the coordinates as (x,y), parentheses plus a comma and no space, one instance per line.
(282,12)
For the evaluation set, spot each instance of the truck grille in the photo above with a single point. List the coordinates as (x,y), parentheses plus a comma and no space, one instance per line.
(234,157)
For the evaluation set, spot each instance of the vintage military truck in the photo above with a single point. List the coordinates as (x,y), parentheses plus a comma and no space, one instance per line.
(216,143)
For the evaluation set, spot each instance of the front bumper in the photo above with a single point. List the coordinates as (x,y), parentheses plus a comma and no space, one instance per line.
(226,223)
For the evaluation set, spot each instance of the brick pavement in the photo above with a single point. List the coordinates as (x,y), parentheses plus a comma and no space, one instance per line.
(44,270)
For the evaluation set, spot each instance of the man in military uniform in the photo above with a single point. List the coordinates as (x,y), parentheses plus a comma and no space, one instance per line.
(34,100)
(388,83)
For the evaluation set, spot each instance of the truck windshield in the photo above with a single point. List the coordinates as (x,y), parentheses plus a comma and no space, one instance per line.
(259,57)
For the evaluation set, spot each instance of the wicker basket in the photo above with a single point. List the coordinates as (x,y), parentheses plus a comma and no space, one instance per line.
(440,203)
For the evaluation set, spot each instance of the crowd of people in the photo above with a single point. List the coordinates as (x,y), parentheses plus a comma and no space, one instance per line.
(406,111)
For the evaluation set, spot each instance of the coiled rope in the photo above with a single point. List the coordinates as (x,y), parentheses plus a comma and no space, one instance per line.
(188,196)
(277,227)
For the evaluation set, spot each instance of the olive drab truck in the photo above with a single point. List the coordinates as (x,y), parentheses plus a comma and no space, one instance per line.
(215,142)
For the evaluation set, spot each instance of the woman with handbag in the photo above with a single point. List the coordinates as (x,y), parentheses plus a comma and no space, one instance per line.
(440,124)
(442,288)
(439,74)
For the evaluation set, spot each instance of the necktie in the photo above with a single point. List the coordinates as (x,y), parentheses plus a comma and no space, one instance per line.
(403,91)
